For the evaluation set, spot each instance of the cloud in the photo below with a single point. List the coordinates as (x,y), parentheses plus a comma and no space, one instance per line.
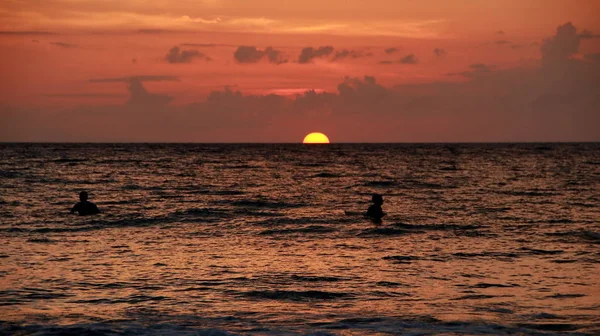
(84,95)
(560,47)
(391,50)
(251,54)
(151,31)
(586,34)
(176,55)
(138,93)
(345,53)
(26,32)
(274,56)
(309,53)
(207,45)
(139,96)
(409,59)
(475,70)
(592,57)
(480,67)
(439,52)
(140,78)
(65,45)
(556,101)
(363,92)
(248,54)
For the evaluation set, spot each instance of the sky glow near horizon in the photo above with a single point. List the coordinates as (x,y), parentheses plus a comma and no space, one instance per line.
(274,71)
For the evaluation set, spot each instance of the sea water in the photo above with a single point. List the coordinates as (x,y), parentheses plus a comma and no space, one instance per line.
(268,239)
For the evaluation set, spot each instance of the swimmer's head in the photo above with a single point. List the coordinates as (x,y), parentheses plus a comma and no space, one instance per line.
(377,199)
(83,196)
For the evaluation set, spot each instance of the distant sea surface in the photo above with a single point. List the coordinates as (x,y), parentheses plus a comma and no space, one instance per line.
(269,239)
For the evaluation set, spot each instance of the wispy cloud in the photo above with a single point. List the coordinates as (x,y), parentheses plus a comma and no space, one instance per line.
(65,45)
(475,70)
(26,32)
(85,95)
(204,45)
(142,23)
(141,78)
(408,59)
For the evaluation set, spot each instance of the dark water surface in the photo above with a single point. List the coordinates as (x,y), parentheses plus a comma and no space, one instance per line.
(262,239)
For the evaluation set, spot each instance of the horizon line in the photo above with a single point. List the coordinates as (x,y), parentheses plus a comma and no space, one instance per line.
(289,143)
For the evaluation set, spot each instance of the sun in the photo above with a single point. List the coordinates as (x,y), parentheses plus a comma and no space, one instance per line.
(316,138)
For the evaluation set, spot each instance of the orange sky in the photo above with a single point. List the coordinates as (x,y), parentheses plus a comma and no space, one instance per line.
(62,59)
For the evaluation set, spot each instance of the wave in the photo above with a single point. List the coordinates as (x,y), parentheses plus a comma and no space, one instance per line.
(44,240)
(401,259)
(490,285)
(109,329)
(381,184)
(132,299)
(289,295)
(540,252)
(240,166)
(327,175)
(264,204)
(68,160)
(565,296)
(259,213)
(10,174)
(279,219)
(577,236)
(413,184)
(310,164)
(474,297)
(99,224)
(201,212)
(307,229)
(139,187)
(550,326)
(435,227)
(143,324)
(528,193)
(486,255)
(314,278)
(27,295)
(387,231)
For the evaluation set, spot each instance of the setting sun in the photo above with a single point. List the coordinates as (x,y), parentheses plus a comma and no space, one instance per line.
(315,138)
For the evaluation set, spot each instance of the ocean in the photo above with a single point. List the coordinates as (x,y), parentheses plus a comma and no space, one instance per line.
(268,239)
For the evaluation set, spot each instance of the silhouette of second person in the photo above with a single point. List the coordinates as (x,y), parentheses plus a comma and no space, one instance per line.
(375,212)
(85,207)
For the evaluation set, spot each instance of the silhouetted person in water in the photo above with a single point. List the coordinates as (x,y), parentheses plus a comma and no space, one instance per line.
(374,212)
(84,207)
